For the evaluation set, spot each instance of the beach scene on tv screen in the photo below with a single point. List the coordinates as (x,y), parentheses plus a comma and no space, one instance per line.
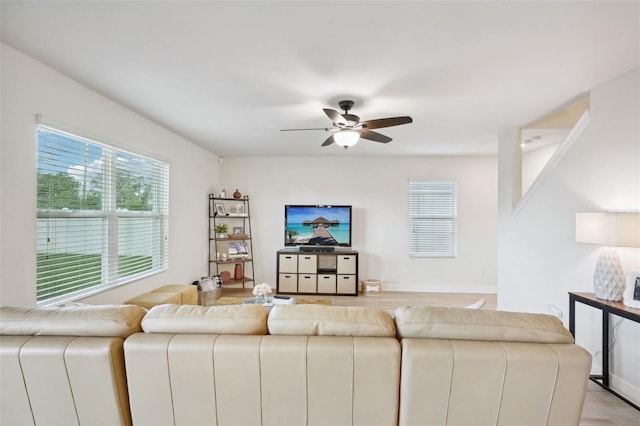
(318,225)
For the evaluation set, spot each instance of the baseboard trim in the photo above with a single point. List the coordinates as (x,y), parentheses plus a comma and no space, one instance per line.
(421,288)
(617,383)
(625,388)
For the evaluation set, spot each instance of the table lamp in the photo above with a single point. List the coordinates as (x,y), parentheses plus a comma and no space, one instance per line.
(609,230)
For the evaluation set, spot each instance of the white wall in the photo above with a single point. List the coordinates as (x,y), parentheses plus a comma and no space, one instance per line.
(377,188)
(534,161)
(539,260)
(30,88)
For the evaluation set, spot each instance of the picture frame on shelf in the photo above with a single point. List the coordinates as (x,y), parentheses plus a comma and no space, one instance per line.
(238,230)
(240,209)
(220,209)
(238,249)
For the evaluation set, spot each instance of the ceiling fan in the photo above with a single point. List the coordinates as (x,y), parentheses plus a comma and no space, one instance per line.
(347,128)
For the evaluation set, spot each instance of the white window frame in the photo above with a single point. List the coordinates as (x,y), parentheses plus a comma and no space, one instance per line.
(433,218)
(152,225)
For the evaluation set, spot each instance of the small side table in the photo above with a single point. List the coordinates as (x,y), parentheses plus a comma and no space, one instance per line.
(607,308)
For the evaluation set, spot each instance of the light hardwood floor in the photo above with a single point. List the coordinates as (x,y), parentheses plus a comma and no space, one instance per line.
(600,408)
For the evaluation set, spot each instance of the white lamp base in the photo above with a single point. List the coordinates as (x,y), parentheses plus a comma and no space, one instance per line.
(608,278)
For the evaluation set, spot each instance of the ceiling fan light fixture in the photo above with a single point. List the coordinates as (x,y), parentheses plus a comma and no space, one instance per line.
(347,129)
(346,138)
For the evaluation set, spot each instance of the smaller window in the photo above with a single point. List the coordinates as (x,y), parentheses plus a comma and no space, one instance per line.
(432,218)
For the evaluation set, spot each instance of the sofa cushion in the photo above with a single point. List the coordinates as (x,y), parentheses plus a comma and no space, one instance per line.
(229,319)
(86,320)
(465,324)
(320,320)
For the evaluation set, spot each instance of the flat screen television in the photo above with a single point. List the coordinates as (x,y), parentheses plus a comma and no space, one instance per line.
(317,226)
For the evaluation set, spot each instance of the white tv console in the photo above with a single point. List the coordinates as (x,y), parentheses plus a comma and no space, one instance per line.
(317,272)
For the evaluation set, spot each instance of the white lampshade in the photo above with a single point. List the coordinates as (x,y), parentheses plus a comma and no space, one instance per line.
(346,138)
(608,229)
(612,230)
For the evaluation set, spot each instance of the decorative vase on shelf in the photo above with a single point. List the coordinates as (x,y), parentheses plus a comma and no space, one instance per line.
(237,194)
(238,272)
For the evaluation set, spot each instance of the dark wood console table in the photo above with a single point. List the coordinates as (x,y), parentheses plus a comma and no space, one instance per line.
(607,308)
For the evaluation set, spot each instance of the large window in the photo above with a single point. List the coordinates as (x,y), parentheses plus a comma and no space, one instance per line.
(102,216)
(432,218)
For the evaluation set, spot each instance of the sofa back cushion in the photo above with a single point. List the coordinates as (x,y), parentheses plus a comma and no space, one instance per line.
(193,319)
(85,320)
(197,379)
(320,320)
(466,324)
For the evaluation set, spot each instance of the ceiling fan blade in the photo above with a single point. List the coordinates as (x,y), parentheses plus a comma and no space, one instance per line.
(386,122)
(374,136)
(314,128)
(329,141)
(335,116)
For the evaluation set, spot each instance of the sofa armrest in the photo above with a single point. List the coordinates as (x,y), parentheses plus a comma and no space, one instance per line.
(487,383)
(63,380)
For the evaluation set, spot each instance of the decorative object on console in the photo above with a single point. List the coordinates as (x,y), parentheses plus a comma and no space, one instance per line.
(237,194)
(632,292)
(223,193)
(610,230)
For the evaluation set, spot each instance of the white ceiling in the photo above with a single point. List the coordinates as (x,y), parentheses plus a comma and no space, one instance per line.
(229,75)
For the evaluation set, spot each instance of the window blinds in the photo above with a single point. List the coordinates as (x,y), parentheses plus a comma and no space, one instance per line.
(432,218)
(102,215)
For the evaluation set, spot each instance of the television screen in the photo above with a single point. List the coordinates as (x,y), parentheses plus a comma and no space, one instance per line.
(317,225)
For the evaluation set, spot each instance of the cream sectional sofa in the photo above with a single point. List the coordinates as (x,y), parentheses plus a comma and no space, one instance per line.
(297,365)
